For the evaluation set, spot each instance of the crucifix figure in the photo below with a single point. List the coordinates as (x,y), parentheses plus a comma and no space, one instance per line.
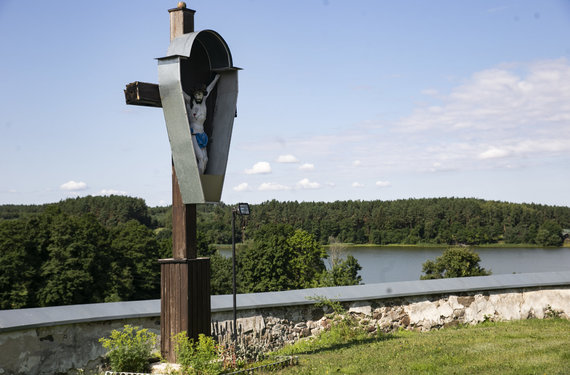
(196,108)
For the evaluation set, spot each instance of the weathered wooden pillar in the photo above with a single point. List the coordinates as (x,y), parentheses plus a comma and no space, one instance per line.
(185,279)
(184,301)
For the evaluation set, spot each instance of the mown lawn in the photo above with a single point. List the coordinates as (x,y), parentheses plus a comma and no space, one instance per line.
(523,347)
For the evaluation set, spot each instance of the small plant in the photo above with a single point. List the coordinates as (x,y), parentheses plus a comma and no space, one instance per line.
(322,301)
(129,349)
(550,313)
(197,357)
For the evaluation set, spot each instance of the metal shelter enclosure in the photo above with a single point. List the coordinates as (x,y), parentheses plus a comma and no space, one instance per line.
(193,59)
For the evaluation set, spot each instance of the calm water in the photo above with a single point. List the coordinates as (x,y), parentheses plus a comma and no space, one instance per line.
(401,264)
(405,263)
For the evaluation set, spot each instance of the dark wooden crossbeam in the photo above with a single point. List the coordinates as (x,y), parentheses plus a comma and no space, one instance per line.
(143,93)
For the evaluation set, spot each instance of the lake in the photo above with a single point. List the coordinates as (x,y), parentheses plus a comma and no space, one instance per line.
(385,264)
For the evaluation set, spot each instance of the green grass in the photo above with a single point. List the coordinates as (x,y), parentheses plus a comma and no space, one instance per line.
(522,347)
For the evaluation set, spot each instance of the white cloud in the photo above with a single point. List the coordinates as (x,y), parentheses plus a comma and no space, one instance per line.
(307,167)
(112,192)
(74,186)
(271,186)
(383,184)
(287,159)
(242,187)
(357,185)
(502,99)
(493,153)
(261,167)
(515,114)
(306,184)
(508,116)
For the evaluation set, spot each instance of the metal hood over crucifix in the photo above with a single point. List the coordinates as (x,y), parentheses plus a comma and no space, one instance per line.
(198,91)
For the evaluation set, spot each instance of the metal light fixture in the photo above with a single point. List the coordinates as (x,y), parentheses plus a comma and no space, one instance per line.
(242,209)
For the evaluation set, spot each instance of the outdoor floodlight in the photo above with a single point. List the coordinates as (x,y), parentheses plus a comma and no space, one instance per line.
(243,208)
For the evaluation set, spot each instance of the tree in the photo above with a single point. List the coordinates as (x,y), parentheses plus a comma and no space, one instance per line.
(549,234)
(306,258)
(343,267)
(77,260)
(343,272)
(280,258)
(134,271)
(454,262)
(19,264)
(221,277)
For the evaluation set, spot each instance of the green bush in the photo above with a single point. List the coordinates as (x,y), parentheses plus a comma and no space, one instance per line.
(129,349)
(454,262)
(197,357)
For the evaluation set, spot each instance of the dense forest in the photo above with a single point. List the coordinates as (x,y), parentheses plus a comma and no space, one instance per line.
(97,249)
(412,221)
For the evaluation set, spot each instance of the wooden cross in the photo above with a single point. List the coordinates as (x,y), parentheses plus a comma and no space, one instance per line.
(185,279)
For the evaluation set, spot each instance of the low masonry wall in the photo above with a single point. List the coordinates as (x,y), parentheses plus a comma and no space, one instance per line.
(64,339)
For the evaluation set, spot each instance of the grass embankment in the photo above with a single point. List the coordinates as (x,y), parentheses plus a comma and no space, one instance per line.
(522,347)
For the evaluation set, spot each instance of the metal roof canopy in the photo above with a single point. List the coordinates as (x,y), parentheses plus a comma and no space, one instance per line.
(191,60)
(11,320)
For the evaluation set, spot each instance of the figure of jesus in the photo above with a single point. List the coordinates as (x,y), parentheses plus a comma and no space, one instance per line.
(196,109)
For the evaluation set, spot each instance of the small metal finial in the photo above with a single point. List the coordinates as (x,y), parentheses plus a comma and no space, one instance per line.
(181,5)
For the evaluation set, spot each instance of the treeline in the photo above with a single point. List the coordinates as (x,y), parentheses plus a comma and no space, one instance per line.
(411,221)
(106,249)
(98,249)
(56,258)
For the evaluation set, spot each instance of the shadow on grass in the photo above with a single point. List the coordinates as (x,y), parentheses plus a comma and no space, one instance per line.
(351,343)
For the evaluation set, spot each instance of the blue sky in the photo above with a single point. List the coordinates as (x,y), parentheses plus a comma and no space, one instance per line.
(338,99)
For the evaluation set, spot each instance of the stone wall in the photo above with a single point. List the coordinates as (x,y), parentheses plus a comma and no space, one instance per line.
(61,348)
(281,325)
(63,339)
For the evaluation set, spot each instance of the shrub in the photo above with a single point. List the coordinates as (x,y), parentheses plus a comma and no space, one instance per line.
(129,349)
(197,357)
(454,262)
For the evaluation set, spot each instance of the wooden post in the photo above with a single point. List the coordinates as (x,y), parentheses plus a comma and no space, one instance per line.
(183,215)
(181,20)
(183,224)
(185,279)
(184,301)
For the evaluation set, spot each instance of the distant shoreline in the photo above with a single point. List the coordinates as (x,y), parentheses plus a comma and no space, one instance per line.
(427,245)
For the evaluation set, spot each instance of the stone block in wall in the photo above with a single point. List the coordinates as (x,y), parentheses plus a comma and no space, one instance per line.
(537,302)
(361,308)
(479,310)
(507,306)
